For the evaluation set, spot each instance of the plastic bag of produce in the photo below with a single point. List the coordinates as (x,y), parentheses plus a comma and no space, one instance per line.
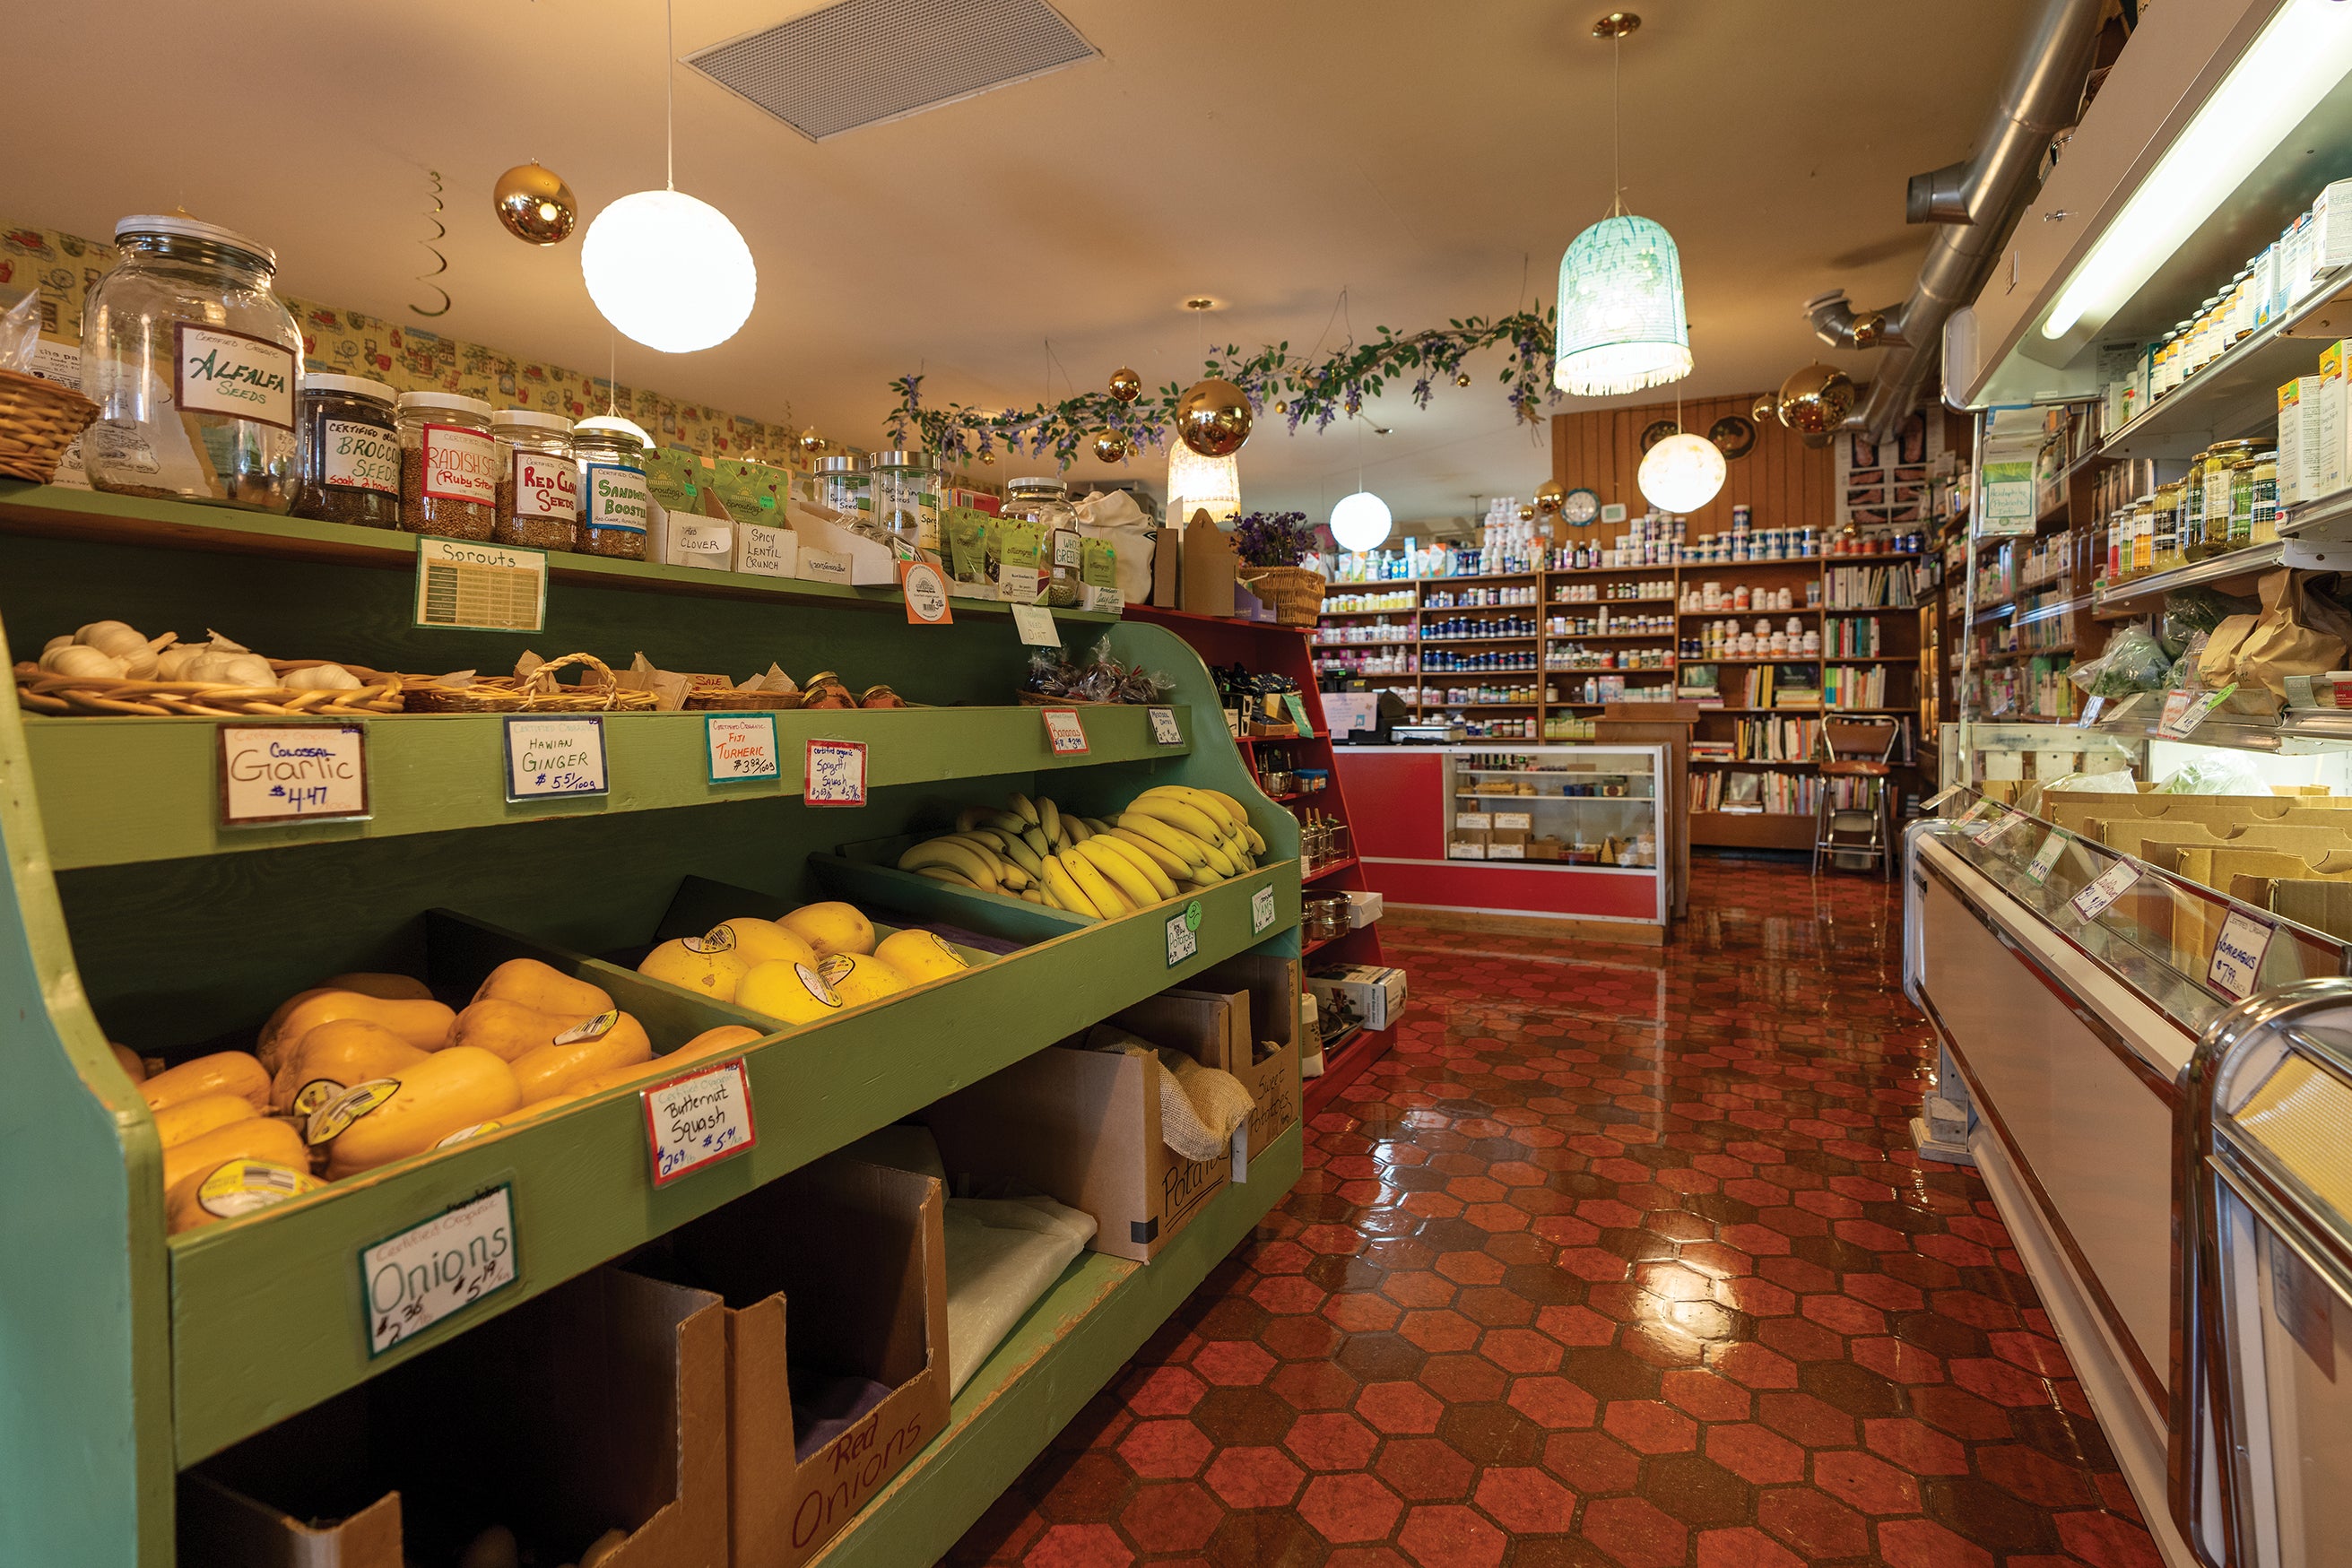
(2135,662)
(2193,610)
(2215,772)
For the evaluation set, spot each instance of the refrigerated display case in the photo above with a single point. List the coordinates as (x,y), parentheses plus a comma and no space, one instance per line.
(1569,834)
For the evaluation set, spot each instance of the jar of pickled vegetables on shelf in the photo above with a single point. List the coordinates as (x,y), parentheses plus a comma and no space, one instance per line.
(2166,507)
(2253,497)
(2229,493)
(2191,525)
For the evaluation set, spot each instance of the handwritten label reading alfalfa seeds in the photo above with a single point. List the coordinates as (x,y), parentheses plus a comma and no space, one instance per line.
(415,1279)
(221,372)
(695,1119)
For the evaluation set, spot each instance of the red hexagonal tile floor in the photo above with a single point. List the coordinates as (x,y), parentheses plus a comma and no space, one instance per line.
(1620,1260)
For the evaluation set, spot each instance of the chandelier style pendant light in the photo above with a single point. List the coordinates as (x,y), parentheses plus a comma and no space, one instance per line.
(1198,484)
(669,271)
(1622,326)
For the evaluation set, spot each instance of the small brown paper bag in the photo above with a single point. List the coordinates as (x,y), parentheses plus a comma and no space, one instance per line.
(2301,631)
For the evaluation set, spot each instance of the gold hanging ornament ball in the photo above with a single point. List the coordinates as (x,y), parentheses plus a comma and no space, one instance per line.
(1111,446)
(535,205)
(1212,417)
(1527,512)
(1816,400)
(1126,385)
(1461,378)
(1767,407)
(810,441)
(1549,498)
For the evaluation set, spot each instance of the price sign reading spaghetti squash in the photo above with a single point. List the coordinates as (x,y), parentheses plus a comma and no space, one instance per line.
(836,773)
(411,1281)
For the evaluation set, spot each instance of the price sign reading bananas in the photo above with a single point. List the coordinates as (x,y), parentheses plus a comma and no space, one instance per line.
(1064,732)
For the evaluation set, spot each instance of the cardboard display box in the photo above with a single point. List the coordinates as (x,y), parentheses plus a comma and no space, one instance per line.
(1211,570)
(601,1404)
(2322,906)
(837,1271)
(1083,1127)
(1240,1015)
(1376,996)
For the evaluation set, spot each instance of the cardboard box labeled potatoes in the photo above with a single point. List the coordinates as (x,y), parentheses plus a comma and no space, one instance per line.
(834,1283)
(1083,1127)
(1242,1015)
(600,1405)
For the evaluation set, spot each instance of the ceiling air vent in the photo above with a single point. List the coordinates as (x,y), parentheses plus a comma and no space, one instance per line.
(862,62)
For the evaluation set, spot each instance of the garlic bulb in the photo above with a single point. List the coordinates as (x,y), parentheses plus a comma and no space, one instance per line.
(321,678)
(76,660)
(54,644)
(111,637)
(232,669)
(172,664)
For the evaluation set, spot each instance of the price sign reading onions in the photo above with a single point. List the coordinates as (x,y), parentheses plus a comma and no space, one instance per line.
(836,773)
(697,1119)
(411,1281)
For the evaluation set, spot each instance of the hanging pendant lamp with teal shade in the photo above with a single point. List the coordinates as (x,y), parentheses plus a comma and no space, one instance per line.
(1622,326)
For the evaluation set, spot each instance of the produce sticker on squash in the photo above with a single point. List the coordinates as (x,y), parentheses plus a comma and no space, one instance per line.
(697,1119)
(333,1118)
(413,1280)
(292,772)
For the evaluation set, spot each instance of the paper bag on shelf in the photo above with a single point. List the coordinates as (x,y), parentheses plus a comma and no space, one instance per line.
(2300,632)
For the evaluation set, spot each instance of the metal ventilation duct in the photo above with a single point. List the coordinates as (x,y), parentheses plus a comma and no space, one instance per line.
(1975,203)
(862,62)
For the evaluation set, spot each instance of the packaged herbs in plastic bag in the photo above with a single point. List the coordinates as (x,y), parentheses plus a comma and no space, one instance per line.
(2135,662)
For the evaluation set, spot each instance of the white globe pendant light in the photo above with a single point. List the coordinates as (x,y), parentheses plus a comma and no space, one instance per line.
(1682,473)
(668,271)
(1622,323)
(1198,484)
(1360,521)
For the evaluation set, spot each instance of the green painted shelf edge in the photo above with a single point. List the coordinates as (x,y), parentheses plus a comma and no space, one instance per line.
(1071,1343)
(53,511)
(121,791)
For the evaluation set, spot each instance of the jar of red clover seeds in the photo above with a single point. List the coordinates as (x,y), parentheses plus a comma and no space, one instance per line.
(538,481)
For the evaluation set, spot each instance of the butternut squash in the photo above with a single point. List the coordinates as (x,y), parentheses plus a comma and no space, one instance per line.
(543,989)
(342,1051)
(388,988)
(506,1030)
(175,1125)
(724,1040)
(721,1041)
(446,1093)
(223,1073)
(538,1108)
(423,1024)
(264,1185)
(255,1139)
(553,1069)
(128,1060)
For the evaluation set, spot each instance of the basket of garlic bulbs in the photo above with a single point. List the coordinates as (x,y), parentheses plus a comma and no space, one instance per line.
(108,667)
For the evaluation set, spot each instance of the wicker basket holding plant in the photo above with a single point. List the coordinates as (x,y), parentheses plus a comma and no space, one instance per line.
(1271,544)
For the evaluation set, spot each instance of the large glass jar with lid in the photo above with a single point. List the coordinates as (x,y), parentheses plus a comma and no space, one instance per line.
(448,466)
(2229,467)
(538,480)
(194,366)
(349,464)
(2192,512)
(615,503)
(844,486)
(905,497)
(1045,502)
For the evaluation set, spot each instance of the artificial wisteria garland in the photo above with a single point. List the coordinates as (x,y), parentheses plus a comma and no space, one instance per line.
(1302,390)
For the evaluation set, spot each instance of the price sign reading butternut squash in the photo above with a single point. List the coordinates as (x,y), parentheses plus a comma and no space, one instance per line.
(292,772)
(692,1121)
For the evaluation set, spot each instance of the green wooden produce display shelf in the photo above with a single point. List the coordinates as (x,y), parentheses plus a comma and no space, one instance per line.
(133,789)
(1073,1339)
(129,915)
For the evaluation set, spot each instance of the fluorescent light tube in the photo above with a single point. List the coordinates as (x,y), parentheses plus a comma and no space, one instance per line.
(2297,59)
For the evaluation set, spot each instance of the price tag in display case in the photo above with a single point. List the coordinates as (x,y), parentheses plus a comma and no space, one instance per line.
(836,773)
(292,772)
(412,1280)
(698,1119)
(1064,732)
(2238,949)
(2093,901)
(2045,859)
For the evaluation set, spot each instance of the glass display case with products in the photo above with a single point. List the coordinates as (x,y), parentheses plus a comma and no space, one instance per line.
(1584,808)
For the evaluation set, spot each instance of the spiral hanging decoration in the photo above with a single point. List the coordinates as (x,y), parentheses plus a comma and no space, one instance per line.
(440,232)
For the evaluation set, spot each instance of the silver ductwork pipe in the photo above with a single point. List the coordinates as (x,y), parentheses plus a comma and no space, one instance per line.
(1975,204)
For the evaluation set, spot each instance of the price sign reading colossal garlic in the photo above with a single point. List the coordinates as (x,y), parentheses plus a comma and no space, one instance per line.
(462,585)
(550,757)
(411,1281)
(2238,949)
(1261,910)
(1163,727)
(926,593)
(1064,732)
(741,747)
(702,1117)
(2093,901)
(290,772)
(836,773)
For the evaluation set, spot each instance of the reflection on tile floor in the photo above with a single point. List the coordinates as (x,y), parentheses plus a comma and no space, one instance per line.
(1623,1259)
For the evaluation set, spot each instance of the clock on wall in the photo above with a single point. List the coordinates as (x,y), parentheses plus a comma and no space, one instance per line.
(1579,507)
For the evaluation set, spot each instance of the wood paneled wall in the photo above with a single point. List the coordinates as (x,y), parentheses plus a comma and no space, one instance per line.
(1788,483)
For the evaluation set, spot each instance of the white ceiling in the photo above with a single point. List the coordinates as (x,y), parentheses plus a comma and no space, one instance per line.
(1432,161)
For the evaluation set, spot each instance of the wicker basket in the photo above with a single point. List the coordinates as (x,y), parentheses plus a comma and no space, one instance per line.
(1295,591)
(38,420)
(536,692)
(746,702)
(91,697)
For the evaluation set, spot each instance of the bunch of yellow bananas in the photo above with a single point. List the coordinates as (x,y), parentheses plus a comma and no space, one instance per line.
(1168,842)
